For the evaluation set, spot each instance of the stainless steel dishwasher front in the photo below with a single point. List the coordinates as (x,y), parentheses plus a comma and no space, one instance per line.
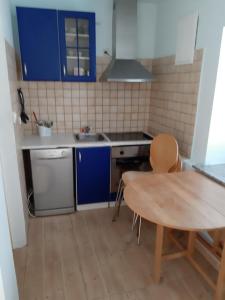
(52,175)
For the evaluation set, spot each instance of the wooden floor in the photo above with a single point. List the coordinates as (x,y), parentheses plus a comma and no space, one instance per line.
(84,256)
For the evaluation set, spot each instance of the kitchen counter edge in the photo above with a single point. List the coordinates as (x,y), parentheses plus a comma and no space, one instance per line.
(68,141)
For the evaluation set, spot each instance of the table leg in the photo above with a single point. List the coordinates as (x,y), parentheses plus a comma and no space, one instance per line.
(191,242)
(158,252)
(221,277)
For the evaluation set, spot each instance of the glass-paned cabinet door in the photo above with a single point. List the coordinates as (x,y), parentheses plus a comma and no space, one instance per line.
(77,45)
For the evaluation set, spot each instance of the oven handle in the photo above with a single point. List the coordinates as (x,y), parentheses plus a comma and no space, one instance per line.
(131,160)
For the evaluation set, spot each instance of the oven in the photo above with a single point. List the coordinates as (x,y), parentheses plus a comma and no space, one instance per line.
(128,158)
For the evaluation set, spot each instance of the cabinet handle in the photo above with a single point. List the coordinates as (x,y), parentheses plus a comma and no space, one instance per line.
(64,70)
(25,69)
(80,158)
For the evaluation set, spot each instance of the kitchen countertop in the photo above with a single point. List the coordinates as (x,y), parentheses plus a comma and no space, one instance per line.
(68,141)
(215,172)
(54,141)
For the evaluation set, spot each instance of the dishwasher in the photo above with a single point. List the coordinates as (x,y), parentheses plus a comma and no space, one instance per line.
(52,176)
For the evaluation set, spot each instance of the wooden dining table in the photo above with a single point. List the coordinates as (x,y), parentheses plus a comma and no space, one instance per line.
(186,201)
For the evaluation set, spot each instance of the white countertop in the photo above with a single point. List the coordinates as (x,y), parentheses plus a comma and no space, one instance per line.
(68,141)
(215,172)
(54,141)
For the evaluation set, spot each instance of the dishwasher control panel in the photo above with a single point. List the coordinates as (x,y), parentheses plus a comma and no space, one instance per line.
(51,153)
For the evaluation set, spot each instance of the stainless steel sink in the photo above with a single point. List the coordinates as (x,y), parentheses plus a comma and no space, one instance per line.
(89,137)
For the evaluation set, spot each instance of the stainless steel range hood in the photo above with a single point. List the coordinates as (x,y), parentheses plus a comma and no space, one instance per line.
(124,67)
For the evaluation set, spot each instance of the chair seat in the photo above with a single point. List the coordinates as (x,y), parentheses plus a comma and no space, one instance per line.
(129,176)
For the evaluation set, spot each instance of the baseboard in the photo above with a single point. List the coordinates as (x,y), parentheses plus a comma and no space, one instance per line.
(97,205)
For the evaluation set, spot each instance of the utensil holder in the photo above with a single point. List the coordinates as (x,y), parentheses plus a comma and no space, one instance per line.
(44,131)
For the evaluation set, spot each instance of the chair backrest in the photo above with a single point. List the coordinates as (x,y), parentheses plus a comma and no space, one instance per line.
(163,153)
(177,167)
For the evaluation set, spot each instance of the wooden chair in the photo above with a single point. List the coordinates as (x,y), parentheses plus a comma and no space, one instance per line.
(177,167)
(164,158)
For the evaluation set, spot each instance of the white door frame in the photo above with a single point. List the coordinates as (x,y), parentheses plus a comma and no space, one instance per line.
(8,282)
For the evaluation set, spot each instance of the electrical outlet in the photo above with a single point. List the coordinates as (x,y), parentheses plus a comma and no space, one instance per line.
(107,52)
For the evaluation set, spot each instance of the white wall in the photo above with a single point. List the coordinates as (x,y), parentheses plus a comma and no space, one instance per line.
(8,145)
(6,29)
(8,284)
(211,22)
(147,13)
(103,10)
(2,292)
(216,144)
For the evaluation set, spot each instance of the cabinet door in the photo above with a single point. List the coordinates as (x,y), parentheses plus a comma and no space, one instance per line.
(39,43)
(77,46)
(93,175)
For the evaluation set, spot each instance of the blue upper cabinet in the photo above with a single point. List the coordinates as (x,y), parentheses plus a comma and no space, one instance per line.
(57,45)
(77,46)
(39,43)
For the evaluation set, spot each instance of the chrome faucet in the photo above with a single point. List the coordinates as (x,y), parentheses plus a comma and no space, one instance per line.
(85,129)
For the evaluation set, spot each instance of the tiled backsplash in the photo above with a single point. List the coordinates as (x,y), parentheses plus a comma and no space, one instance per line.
(101,105)
(174,96)
(168,104)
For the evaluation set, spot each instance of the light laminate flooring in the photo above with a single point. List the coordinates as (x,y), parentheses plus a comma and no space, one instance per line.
(84,256)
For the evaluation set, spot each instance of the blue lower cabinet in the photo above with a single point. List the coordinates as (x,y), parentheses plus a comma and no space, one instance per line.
(93,175)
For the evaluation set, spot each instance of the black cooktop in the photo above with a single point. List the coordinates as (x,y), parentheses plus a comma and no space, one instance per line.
(128,136)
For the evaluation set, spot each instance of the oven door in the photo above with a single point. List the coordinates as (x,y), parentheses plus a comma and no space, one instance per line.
(129,158)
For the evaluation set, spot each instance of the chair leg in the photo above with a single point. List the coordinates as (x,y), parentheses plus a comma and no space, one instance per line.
(139,230)
(135,217)
(118,201)
(120,196)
